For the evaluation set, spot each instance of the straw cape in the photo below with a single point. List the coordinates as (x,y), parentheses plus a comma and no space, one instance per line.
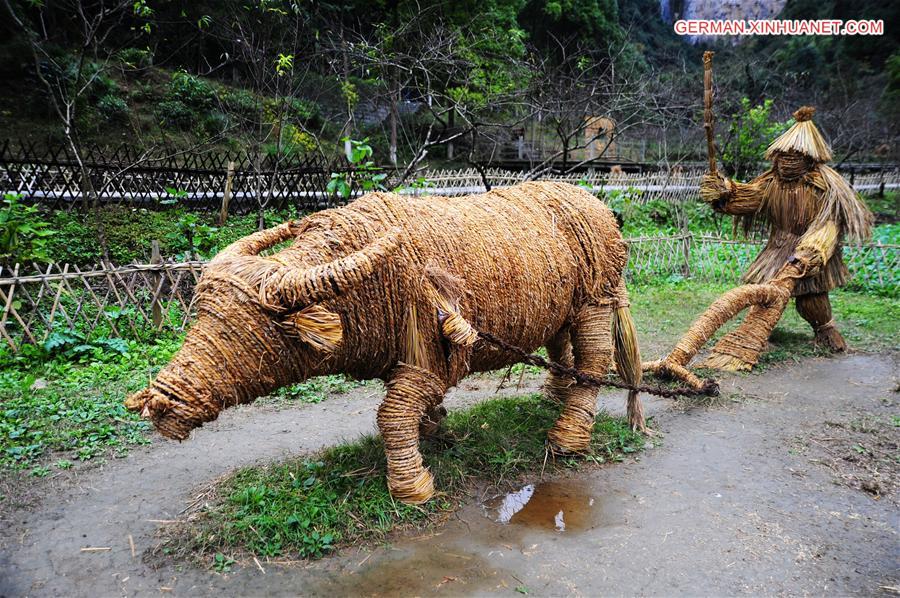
(811,211)
(395,288)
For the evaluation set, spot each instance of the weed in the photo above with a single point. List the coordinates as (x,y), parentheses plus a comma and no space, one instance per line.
(222,563)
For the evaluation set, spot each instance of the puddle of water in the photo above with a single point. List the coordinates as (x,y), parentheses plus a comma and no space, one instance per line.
(423,571)
(563,506)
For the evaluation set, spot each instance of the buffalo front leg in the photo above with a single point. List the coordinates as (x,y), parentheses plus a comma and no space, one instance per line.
(592,352)
(411,393)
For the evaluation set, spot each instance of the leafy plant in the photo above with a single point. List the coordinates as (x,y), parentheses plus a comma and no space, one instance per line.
(222,563)
(73,344)
(364,172)
(23,232)
(750,131)
(113,108)
(198,235)
(135,58)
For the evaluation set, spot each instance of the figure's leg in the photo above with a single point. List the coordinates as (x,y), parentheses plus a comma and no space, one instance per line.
(559,349)
(816,309)
(411,393)
(740,349)
(592,351)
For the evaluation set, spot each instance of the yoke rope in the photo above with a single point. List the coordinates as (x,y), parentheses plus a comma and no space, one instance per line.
(710,387)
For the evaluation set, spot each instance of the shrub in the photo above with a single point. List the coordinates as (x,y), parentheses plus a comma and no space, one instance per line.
(214,123)
(750,131)
(191,91)
(23,232)
(175,113)
(136,58)
(113,108)
(241,102)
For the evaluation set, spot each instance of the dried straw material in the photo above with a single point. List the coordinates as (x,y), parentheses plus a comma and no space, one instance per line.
(395,288)
(628,357)
(802,137)
(591,338)
(411,393)
(811,211)
(741,348)
(816,309)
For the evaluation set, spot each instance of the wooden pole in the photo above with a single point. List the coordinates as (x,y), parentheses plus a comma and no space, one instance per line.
(226,196)
(707,111)
(156,278)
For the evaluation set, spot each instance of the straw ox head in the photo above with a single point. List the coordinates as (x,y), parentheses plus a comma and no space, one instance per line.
(261,324)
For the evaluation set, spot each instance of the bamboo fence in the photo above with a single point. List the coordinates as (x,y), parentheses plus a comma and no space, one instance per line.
(139,300)
(55,179)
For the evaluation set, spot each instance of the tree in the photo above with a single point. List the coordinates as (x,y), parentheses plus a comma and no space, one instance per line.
(750,131)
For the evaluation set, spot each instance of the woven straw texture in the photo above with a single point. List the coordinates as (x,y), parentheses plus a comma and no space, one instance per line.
(811,210)
(394,288)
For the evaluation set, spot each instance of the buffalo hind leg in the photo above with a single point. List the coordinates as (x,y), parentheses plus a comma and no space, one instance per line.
(411,393)
(559,349)
(592,352)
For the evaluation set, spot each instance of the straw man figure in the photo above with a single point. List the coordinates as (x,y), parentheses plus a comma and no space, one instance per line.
(810,210)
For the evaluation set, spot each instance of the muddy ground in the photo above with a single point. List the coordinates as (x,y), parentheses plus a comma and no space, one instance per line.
(789,488)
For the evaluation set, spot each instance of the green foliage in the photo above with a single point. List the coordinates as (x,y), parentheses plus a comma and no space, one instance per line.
(750,132)
(890,102)
(136,58)
(645,218)
(129,232)
(198,236)
(364,173)
(314,390)
(67,396)
(113,108)
(188,99)
(175,113)
(222,563)
(23,232)
(191,91)
(307,507)
(241,102)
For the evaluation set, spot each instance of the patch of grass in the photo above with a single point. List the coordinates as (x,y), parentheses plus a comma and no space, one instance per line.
(74,406)
(314,390)
(663,312)
(309,506)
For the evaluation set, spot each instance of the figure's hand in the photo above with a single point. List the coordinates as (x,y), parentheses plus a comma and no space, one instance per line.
(810,262)
(713,188)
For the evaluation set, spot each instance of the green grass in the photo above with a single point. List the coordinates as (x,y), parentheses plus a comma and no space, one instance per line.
(309,506)
(663,312)
(55,408)
(69,407)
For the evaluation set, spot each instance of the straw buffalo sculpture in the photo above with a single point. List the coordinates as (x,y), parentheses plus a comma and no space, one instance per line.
(397,288)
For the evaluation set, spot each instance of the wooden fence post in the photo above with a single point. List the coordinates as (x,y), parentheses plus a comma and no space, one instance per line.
(226,195)
(156,278)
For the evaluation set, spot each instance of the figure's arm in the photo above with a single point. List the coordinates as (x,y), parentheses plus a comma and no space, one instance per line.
(731,197)
(816,247)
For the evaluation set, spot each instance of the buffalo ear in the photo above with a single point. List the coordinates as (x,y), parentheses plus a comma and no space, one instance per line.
(316,326)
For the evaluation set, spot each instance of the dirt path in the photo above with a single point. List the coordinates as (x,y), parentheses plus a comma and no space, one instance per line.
(735,500)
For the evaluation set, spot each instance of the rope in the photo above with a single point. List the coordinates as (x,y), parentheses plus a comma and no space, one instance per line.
(710,387)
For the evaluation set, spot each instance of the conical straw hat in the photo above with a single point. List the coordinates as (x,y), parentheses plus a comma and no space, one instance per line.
(802,137)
